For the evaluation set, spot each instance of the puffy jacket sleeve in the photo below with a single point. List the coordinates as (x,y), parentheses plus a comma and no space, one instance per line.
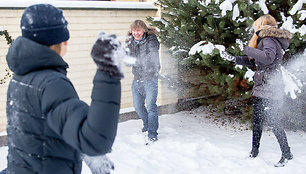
(244,60)
(264,56)
(153,53)
(89,129)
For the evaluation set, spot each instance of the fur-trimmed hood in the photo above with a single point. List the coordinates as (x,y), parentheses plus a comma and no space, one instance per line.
(283,36)
(274,32)
(151,30)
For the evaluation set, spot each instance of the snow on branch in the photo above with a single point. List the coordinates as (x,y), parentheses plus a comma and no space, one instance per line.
(263,7)
(298,6)
(208,48)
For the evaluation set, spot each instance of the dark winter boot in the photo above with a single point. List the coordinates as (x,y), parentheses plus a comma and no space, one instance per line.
(284,159)
(144,129)
(254,153)
(151,140)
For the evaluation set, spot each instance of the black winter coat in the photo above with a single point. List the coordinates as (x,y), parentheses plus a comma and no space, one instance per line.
(49,127)
(146,53)
(267,57)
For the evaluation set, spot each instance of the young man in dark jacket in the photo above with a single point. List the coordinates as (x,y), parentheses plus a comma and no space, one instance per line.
(144,46)
(49,128)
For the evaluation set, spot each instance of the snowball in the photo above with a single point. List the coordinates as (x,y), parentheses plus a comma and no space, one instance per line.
(249,75)
(239,66)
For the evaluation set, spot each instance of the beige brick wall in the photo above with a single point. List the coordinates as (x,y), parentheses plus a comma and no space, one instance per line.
(84,26)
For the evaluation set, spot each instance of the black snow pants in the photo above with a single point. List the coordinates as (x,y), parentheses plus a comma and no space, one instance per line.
(265,109)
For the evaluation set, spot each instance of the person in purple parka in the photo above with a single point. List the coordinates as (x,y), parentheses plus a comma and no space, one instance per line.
(265,52)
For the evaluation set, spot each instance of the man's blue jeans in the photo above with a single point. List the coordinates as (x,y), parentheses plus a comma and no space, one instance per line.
(3,171)
(145,92)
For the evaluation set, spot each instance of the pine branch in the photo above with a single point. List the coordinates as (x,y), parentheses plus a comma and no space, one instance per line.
(8,73)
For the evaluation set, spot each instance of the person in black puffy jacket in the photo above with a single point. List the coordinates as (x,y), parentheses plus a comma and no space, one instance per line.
(142,44)
(50,130)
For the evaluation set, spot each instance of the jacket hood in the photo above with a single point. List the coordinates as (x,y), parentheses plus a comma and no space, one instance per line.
(283,36)
(150,34)
(25,56)
(151,30)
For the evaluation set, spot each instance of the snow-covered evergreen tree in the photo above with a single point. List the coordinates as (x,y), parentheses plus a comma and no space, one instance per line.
(195,31)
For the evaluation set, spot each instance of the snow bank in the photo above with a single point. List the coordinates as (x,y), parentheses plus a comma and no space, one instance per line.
(3,133)
(192,142)
(197,142)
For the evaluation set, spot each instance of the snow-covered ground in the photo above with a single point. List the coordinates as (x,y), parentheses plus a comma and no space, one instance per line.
(194,142)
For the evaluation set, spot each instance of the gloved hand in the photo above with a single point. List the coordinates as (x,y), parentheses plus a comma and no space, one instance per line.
(227,56)
(99,164)
(106,53)
(246,49)
(129,60)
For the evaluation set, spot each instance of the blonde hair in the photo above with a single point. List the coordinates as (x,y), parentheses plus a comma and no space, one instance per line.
(138,24)
(262,22)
